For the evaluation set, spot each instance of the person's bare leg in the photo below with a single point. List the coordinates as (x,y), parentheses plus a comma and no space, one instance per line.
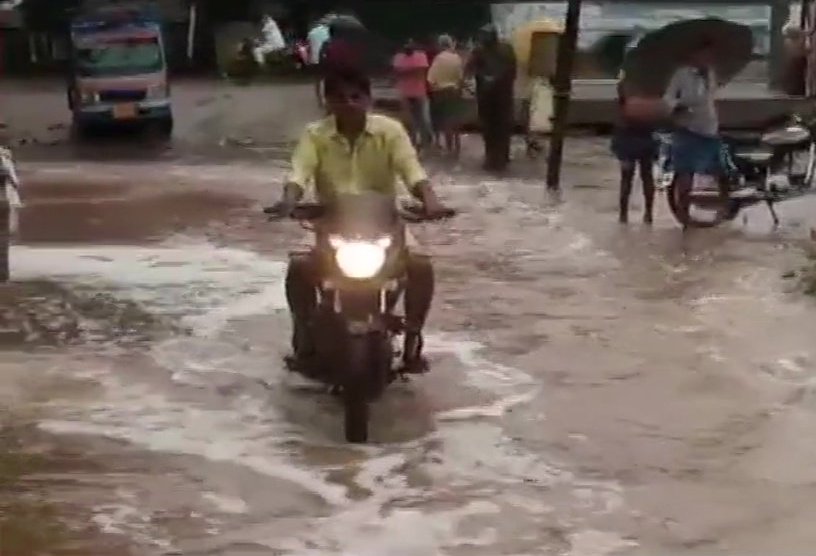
(449,140)
(627,173)
(648,181)
(684,183)
(319,91)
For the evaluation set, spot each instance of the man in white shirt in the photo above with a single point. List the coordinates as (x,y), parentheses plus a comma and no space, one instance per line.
(273,40)
(318,37)
(690,99)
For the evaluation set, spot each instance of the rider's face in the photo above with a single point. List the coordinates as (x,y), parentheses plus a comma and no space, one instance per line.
(349,103)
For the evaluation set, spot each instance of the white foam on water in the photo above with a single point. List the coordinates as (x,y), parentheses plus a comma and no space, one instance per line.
(127,520)
(244,434)
(229,284)
(261,174)
(205,285)
(512,387)
(593,543)
(226,504)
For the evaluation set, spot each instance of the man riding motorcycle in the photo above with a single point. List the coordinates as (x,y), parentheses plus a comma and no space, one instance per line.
(352,152)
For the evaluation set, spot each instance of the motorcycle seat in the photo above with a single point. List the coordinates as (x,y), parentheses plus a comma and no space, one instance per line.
(786,136)
(740,138)
(756,157)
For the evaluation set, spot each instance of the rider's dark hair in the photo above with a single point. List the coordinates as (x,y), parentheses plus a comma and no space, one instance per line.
(347,77)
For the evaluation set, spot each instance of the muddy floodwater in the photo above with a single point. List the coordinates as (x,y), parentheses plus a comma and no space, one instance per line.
(595,389)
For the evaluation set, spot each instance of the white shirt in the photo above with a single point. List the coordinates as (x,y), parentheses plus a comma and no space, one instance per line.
(694,90)
(317,38)
(272,36)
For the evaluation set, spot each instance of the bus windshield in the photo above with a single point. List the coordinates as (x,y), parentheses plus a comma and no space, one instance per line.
(121,56)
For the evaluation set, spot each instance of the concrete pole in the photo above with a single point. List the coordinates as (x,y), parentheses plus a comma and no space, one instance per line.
(191,29)
(5,232)
(563,89)
(780,12)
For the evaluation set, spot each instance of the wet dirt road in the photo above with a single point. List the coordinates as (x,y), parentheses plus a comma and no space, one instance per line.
(595,389)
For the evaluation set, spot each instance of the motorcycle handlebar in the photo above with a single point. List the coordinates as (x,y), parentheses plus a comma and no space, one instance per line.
(314,211)
(301,211)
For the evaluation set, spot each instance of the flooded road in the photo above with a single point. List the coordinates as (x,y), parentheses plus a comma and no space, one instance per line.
(595,389)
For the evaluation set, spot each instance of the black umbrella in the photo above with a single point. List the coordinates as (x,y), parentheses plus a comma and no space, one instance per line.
(649,66)
(346,22)
(609,52)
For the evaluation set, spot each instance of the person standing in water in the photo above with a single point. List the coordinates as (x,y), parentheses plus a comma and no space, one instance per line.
(445,79)
(318,36)
(635,147)
(690,102)
(493,63)
(411,71)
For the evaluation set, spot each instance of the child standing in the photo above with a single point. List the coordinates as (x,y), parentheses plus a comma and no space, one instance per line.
(635,146)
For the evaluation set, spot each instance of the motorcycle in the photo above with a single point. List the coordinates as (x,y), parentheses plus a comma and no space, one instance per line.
(758,168)
(360,250)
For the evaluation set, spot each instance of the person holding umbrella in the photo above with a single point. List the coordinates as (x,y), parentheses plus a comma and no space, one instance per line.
(690,100)
(674,73)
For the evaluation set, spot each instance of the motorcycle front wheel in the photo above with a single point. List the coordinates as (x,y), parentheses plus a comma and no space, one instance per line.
(359,377)
(707,209)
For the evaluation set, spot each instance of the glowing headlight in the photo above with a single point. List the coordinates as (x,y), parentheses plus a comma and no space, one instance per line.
(359,259)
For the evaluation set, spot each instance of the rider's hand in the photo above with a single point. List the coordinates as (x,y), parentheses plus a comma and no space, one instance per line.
(432,206)
(281,209)
(289,200)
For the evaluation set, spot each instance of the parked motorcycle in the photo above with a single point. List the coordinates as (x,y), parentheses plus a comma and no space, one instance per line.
(765,167)
(360,248)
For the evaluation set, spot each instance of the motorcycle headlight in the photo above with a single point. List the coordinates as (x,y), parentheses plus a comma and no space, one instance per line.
(359,259)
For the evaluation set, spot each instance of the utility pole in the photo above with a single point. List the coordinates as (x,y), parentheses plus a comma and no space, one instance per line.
(563,90)
(780,12)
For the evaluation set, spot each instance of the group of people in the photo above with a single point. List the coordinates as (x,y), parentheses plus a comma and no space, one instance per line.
(431,90)
(431,82)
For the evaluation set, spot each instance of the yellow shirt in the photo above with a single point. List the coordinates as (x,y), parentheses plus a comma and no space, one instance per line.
(447,71)
(382,154)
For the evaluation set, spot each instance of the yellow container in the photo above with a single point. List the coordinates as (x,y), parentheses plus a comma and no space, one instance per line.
(523,41)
